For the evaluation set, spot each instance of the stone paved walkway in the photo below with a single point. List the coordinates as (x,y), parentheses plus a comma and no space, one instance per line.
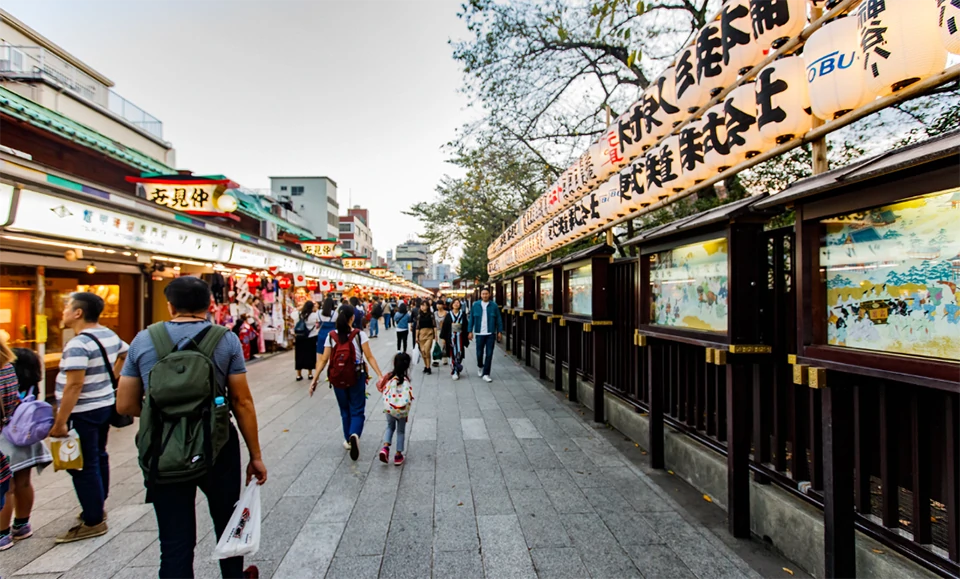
(502,480)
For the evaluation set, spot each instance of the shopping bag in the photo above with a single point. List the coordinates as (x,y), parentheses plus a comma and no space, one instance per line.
(437,351)
(242,535)
(66,452)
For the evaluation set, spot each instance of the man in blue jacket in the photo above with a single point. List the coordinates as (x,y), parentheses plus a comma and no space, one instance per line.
(486,324)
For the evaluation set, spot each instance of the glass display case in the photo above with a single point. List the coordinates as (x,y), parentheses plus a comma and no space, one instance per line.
(518,289)
(688,287)
(545,292)
(579,296)
(891,275)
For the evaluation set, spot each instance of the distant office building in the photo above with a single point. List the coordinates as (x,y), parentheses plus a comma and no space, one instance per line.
(442,272)
(355,235)
(313,198)
(413,260)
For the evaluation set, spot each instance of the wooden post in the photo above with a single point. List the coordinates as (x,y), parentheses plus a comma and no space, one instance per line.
(739,398)
(544,336)
(528,328)
(599,375)
(655,373)
(573,361)
(952,423)
(558,348)
(838,511)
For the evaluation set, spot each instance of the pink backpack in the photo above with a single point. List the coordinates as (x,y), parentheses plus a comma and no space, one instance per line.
(31,422)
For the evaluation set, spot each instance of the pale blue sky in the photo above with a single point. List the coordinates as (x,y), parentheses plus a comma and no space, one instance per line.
(364,92)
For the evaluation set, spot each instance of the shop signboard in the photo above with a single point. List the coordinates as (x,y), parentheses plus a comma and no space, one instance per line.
(284,262)
(322,249)
(311,269)
(356,263)
(6,199)
(68,219)
(248,256)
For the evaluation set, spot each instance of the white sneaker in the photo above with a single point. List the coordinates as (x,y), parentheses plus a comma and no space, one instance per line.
(346,445)
(456,377)
(487,378)
(480,373)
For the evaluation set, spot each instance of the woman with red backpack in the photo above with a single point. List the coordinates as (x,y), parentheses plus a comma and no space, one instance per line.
(345,350)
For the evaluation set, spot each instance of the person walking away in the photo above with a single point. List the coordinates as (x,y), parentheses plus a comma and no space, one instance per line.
(426,333)
(156,358)
(306,330)
(328,323)
(440,317)
(454,335)
(402,321)
(376,312)
(351,398)
(387,313)
(19,497)
(397,399)
(86,398)
(360,313)
(486,323)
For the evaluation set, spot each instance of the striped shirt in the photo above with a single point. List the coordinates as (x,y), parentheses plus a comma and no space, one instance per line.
(82,353)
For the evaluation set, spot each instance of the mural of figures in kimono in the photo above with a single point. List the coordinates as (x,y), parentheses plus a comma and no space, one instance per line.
(580,291)
(688,287)
(892,276)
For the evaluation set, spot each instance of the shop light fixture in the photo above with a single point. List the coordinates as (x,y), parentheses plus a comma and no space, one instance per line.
(92,268)
(127,253)
(183,261)
(58,244)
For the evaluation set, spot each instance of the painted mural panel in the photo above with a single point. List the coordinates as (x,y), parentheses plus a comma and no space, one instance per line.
(688,287)
(580,291)
(545,302)
(519,290)
(891,277)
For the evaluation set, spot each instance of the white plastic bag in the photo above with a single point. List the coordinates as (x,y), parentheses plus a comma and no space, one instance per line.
(242,536)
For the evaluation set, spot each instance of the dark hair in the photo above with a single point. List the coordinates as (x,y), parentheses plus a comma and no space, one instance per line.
(401,366)
(455,300)
(328,307)
(27,368)
(354,301)
(403,308)
(307,309)
(188,295)
(485,289)
(345,322)
(90,303)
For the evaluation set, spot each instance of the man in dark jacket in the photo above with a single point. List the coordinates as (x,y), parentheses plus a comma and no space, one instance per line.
(486,324)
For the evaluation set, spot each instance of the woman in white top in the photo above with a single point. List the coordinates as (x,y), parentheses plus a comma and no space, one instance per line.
(306,346)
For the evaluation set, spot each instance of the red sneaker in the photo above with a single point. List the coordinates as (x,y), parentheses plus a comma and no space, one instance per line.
(251,572)
(384,454)
(397,459)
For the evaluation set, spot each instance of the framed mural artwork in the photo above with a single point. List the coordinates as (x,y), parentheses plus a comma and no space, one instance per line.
(545,292)
(580,291)
(688,287)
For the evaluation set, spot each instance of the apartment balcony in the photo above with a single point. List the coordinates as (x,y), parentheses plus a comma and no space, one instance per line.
(37,63)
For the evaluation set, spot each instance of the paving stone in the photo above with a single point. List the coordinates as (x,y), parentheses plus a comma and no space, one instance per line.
(658,561)
(457,565)
(365,534)
(562,563)
(354,568)
(507,564)
(501,532)
(422,429)
(112,557)
(492,499)
(610,564)
(455,531)
(523,428)
(474,429)
(539,454)
(409,548)
(311,552)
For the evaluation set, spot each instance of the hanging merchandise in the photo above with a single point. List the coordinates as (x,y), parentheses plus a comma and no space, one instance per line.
(776,21)
(712,74)
(783,100)
(743,131)
(630,133)
(253,281)
(689,94)
(895,43)
(834,71)
(740,50)
(948,20)
(692,162)
(671,174)
(300,280)
(660,112)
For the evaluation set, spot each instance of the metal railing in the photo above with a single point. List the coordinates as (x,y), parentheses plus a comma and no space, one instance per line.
(39,63)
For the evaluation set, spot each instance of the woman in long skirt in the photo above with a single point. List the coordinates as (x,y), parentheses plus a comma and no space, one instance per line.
(306,345)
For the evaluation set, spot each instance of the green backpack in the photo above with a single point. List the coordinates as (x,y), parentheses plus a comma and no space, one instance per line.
(185,419)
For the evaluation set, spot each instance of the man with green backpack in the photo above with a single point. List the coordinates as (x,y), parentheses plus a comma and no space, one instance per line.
(184,378)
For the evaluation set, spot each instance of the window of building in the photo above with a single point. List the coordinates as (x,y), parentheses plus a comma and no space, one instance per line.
(333,219)
(346,227)
(347,243)
(283,187)
(296,190)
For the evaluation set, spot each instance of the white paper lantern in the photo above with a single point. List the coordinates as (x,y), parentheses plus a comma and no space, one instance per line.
(783,100)
(834,72)
(689,95)
(712,74)
(651,173)
(660,111)
(606,158)
(741,51)
(896,43)
(776,21)
(743,132)
(671,173)
(692,161)
(716,148)
(608,201)
(630,133)
(949,22)
(633,195)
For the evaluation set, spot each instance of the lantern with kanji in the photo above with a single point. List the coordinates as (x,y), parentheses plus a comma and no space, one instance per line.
(776,21)
(632,188)
(896,43)
(783,100)
(284,282)
(630,134)
(606,156)
(607,201)
(672,176)
(651,172)
(716,148)
(741,51)
(660,112)
(312,285)
(948,18)
(743,131)
(712,74)
(692,161)
(690,96)
(834,70)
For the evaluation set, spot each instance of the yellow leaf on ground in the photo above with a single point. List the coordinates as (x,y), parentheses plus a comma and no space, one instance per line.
(877,551)
(669,472)
(286,430)
(707,498)
(788,571)
(643,452)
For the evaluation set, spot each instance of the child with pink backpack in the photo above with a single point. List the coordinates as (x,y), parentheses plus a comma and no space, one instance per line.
(397,399)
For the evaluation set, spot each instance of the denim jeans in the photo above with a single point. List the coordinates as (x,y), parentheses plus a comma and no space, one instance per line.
(485,345)
(398,424)
(352,402)
(175,507)
(92,482)
(386,320)
(374,327)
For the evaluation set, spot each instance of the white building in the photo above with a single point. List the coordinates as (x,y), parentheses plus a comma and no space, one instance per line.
(314,199)
(355,234)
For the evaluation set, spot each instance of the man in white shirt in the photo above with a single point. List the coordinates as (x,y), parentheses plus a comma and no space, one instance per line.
(486,324)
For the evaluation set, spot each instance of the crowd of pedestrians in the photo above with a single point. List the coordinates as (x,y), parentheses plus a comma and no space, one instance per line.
(186,380)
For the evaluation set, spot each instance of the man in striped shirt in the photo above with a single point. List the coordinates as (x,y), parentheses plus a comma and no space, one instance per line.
(86,399)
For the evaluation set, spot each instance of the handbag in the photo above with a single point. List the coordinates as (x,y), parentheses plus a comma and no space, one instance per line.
(117,420)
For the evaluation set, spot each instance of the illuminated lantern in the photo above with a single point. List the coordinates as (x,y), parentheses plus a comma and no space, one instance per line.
(630,134)
(716,150)
(284,283)
(712,75)
(606,158)
(949,22)
(743,138)
(741,52)
(633,195)
(660,112)
(692,161)
(776,21)
(312,285)
(895,43)
(834,73)
(608,201)
(651,173)
(672,176)
(783,100)
(690,96)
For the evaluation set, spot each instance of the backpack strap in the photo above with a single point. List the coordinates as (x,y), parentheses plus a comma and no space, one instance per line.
(209,342)
(161,340)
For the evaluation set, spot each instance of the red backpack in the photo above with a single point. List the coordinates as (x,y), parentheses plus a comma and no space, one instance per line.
(342,372)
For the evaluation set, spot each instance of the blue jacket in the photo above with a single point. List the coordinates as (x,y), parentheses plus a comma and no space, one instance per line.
(494,321)
(402,320)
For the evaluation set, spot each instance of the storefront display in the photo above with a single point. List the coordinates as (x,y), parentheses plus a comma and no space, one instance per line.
(545,292)
(579,295)
(688,287)
(891,277)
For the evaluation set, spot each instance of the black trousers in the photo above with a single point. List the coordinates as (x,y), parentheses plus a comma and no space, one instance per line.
(175,506)
(402,339)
